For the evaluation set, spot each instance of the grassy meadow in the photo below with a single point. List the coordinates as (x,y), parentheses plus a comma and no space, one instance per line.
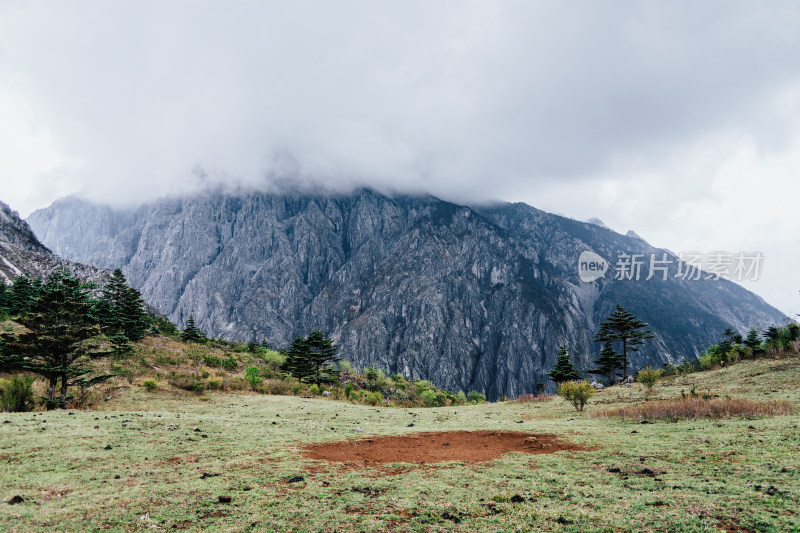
(159,460)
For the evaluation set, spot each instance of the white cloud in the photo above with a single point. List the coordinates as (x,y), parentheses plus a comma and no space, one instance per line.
(636,112)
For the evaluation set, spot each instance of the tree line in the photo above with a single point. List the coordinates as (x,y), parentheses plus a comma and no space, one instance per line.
(61,317)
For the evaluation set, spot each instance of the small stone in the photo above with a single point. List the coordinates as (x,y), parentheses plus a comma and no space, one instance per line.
(445,444)
(224,499)
(117,476)
(645,422)
(563,521)
(411,425)
(358,430)
(15,500)
(108,447)
(6,421)
(516,498)
(295,479)
(205,475)
(614,470)
(771,491)
(634,431)
(648,472)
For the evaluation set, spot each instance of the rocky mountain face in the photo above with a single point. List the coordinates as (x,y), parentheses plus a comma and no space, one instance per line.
(22,253)
(472,298)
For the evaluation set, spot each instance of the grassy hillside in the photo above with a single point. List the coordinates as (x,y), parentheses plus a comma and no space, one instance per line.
(161,459)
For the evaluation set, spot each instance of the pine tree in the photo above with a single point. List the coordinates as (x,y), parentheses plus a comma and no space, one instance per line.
(312,359)
(22,294)
(121,345)
(564,370)
(191,333)
(58,324)
(607,363)
(121,307)
(753,341)
(623,326)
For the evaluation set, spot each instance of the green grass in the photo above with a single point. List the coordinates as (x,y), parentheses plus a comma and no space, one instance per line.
(707,474)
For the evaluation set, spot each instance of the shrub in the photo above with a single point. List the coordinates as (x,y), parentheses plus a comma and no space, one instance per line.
(348,389)
(375,398)
(694,406)
(648,376)
(532,398)
(214,383)
(314,389)
(461,398)
(576,392)
(212,360)
(16,394)
(150,384)
(476,397)
(345,366)
(188,382)
(229,363)
(272,359)
(253,376)
(276,386)
(428,397)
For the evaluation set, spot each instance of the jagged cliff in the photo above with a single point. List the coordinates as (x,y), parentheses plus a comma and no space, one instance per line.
(473,298)
(22,253)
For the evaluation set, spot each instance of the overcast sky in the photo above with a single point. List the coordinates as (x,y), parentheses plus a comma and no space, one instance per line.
(679,120)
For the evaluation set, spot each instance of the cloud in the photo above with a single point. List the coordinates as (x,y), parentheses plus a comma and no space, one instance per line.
(614,109)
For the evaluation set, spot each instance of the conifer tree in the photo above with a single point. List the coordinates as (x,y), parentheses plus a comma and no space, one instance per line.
(564,370)
(58,324)
(121,309)
(312,359)
(191,333)
(623,326)
(23,292)
(607,363)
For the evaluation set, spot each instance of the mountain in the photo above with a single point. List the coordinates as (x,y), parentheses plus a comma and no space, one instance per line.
(473,298)
(22,253)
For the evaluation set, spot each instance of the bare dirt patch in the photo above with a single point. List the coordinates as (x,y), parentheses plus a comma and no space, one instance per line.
(437,447)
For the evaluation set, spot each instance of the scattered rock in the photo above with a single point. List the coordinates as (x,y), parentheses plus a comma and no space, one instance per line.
(447,515)
(614,470)
(516,498)
(772,491)
(634,431)
(597,385)
(411,425)
(224,499)
(645,422)
(295,479)
(274,423)
(207,475)
(563,521)
(648,472)
(117,476)
(15,500)
(6,421)
(628,385)
(445,444)
(108,447)
(326,393)
(196,430)
(172,426)
(358,430)
(751,427)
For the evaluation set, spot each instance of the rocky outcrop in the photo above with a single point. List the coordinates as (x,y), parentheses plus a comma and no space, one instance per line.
(473,298)
(22,253)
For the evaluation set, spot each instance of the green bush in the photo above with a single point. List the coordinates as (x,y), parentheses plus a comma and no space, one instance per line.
(212,360)
(576,392)
(188,382)
(648,376)
(345,366)
(348,389)
(272,359)
(253,376)
(276,386)
(313,389)
(214,383)
(375,398)
(16,394)
(229,363)
(150,384)
(461,398)
(476,397)
(428,397)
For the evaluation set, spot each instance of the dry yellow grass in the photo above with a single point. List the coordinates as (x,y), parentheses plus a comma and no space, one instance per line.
(691,407)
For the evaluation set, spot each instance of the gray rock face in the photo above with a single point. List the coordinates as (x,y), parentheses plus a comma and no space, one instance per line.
(22,253)
(473,298)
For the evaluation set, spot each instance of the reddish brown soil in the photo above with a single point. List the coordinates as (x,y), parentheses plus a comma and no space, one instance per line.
(422,448)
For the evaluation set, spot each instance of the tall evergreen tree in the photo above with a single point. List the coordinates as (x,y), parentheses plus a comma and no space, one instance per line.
(121,309)
(564,370)
(312,359)
(753,341)
(623,326)
(191,333)
(58,324)
(607,363)
(21,295)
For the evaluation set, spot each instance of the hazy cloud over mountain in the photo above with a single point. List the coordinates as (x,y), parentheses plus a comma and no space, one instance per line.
(680,120)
